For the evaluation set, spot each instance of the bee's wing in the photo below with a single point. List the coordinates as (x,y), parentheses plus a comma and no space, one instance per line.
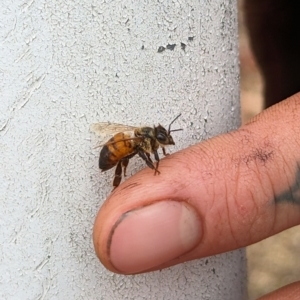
(106,130)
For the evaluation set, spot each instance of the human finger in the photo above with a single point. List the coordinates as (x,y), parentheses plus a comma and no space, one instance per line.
(290,292)
(225,193)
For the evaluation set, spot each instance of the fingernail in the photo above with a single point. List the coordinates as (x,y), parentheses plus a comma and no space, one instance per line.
(152,235)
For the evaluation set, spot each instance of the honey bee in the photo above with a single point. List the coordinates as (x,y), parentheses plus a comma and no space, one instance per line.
(127,141)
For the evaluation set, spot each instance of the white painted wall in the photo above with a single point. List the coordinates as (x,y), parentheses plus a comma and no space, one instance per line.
(66,64)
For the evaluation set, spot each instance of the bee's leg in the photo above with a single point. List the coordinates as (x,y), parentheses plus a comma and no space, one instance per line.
(156,170)
(118,175)
(147,159)
(164,151)
(125,162)
(157,159)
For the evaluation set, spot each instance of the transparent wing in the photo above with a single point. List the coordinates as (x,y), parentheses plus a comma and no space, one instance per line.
(106,130)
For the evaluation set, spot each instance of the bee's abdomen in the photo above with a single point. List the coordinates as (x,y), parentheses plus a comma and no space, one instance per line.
(114,150)
(107,159)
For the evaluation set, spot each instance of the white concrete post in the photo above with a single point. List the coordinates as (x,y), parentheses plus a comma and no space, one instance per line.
(65,64)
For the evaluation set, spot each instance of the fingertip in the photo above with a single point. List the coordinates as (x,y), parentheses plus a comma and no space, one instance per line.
(148,236)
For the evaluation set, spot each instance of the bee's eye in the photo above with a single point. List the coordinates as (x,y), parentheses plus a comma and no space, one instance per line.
(161,137)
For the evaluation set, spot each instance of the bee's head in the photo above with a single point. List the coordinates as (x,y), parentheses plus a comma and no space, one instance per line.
(163,136)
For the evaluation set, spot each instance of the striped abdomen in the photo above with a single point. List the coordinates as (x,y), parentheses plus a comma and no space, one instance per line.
(116,149)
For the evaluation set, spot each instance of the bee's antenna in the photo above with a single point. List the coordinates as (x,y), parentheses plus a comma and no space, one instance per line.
(175,130)
(169,130)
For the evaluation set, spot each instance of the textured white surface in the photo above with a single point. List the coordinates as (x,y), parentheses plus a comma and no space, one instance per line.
(66,64)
